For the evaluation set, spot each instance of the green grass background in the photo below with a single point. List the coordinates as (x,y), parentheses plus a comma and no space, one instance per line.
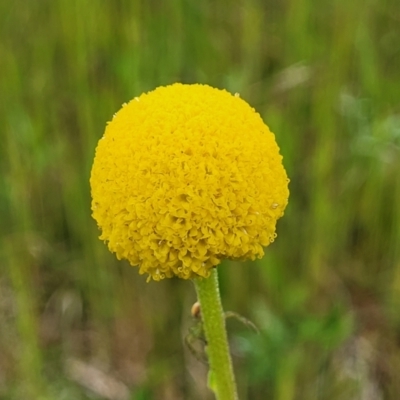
(325,76)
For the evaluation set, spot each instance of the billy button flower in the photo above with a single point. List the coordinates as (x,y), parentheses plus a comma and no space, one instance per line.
(185,176)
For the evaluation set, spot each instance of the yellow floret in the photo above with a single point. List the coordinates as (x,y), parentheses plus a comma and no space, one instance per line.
(185,176)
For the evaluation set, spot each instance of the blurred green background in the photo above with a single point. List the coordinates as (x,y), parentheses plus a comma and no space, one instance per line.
(77,324)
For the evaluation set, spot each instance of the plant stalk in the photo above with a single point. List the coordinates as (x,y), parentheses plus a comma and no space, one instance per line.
(221,378)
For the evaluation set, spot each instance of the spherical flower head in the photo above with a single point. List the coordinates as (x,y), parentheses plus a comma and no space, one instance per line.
(185,176)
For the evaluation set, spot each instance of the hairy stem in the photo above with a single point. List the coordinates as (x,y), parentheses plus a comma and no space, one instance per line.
(222,380)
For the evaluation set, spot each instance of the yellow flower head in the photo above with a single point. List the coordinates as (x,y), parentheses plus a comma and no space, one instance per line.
(185,176)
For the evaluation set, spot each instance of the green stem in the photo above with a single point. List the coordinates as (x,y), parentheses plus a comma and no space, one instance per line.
(221,370)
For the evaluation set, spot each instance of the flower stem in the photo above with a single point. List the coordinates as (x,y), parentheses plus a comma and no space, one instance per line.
(222,380)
